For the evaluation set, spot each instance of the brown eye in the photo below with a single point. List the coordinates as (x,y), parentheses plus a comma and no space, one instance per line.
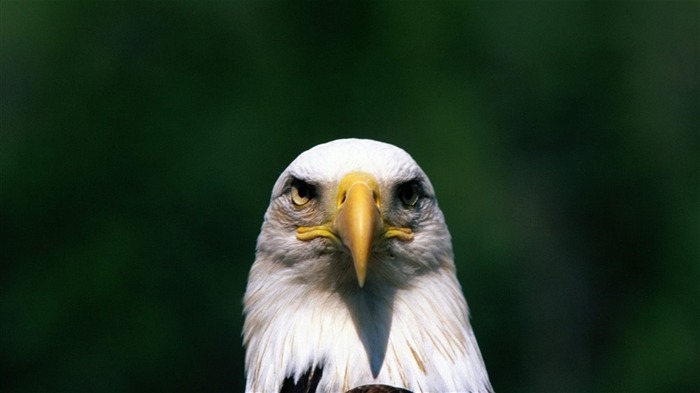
(408,193)
(301,193)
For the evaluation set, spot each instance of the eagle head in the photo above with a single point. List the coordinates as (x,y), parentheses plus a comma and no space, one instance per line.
(354,280)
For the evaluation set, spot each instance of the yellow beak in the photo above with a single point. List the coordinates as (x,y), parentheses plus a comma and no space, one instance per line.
(358,221)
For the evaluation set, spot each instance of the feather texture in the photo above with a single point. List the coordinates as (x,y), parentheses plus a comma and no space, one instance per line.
(407,327)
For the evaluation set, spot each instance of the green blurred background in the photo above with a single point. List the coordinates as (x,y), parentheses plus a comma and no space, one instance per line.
(140,142)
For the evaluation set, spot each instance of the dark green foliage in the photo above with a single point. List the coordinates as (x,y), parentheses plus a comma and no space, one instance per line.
(140,141)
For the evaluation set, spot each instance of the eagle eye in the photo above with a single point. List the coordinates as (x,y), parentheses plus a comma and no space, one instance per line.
(301,192)
(408,193)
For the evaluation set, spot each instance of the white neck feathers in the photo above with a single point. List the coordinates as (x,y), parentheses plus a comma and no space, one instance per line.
(417,337)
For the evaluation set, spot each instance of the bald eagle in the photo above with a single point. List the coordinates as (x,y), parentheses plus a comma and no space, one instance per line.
(354,281)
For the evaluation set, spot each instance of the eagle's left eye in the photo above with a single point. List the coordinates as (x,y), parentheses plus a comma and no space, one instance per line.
(301,193)
(408,193)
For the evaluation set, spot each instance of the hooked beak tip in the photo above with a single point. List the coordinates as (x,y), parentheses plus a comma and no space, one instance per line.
(358,220)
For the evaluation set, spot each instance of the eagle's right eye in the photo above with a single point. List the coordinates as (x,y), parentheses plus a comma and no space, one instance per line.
(301,193)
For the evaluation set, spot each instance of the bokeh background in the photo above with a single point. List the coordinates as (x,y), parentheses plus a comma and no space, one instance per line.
(140,142)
